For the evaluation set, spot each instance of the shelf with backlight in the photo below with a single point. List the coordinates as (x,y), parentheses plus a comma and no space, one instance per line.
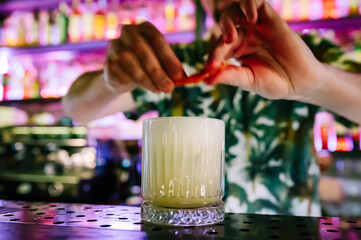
(59,142)
(25,5)
(184,36)
(336,24)
(30,101)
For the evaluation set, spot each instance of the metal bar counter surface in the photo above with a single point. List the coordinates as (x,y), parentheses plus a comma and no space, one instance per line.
(39,220)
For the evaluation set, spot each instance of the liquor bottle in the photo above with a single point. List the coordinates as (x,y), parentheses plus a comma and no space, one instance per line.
(126,13)
(342,8)
(329,9)
(10,31)
(28,84)
(305,10)
(1,87)
(88,20)
(35,28)
(21,31)
(28,23)
(112,20)
(54,28)
(186,13)
(354,5)
(75,19)
(99,20)
(169,12)
(142,12)
(62,21)
(296,7)
(15,90)
(44,28)
(316,9)
(5,86)
(286,13)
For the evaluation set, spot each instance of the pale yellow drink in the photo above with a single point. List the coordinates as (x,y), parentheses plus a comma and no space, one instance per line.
(183,161)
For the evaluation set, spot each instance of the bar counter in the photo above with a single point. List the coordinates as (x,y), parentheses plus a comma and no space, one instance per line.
(40,220)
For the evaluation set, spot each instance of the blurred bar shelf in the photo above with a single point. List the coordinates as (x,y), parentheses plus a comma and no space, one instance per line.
(185,36)
(59,142)
(29,101)
(40,178)
(22,5)
(336,24)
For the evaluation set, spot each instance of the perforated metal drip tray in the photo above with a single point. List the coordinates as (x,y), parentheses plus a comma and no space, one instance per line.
(25,220)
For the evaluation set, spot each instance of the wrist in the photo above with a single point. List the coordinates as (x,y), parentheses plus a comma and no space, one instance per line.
(315,87)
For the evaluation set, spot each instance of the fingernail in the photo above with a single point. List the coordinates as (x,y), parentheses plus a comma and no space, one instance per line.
(166,86)
(227,38)
(156,90)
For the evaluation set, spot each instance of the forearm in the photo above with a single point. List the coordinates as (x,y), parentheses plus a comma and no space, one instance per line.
(89,98)
(338,91)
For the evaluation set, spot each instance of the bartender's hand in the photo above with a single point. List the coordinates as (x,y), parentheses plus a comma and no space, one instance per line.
(276,63)
(141,57)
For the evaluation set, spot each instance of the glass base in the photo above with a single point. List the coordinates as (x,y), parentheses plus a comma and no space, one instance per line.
(182,217)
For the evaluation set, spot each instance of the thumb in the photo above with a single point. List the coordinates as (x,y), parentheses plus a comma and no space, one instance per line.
(238,76)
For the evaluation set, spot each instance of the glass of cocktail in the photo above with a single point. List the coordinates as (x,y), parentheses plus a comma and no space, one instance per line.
(183,171)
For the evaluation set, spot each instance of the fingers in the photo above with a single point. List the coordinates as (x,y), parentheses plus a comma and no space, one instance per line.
(146,57)
(242,14)
(148,61)
(127,73)
(167,58)
(229,19)
(249,9)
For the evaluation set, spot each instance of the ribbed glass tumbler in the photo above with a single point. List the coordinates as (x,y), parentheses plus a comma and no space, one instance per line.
(183,171)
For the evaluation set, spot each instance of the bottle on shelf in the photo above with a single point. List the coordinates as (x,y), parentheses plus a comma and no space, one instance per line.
(4,86)
(329,9)
(44,28)
(142,12)
(287,12)
(99,20)
(14,83)
(62,20)
(75,23)
(10,37)
(112,28)
(88,20)
(54,28)
(29,21)
(354,7)
(21,31)
(186,15)
(35,28)
(316,9)
(169,13)
(342,8)
(126,13)
(305,10)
